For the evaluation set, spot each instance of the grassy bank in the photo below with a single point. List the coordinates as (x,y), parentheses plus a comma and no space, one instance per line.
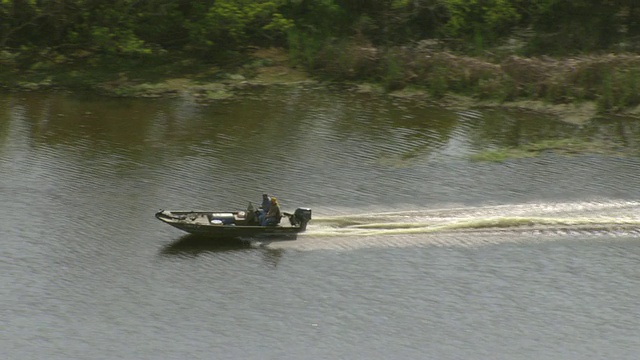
(611,81)
(161,74)
(577,87)
(571,146)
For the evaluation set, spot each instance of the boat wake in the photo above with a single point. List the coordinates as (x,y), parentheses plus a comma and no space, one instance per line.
(477,225)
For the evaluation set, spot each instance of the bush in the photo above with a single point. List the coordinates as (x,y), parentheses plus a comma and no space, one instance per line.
(348,60)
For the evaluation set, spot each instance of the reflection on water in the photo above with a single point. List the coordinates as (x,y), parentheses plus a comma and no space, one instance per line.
(401,126)
(192,245)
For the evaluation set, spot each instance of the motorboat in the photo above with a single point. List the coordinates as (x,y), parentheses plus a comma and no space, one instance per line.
(236,224)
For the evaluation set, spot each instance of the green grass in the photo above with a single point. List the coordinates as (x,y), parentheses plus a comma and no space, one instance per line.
(559,146)
(612,82)
(501,155)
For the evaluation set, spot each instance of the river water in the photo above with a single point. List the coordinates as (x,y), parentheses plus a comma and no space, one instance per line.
(415,251)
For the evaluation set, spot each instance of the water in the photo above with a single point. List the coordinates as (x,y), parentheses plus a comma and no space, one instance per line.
(414,251)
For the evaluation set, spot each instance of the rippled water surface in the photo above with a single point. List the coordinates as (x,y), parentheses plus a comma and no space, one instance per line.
(415,251)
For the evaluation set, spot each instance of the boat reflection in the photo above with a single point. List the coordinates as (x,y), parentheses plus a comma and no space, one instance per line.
(194,245)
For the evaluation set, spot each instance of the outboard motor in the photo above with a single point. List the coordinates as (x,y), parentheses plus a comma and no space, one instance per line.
(301,216)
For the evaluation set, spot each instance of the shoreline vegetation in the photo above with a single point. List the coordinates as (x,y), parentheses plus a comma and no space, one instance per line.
(574,60)
(574,89)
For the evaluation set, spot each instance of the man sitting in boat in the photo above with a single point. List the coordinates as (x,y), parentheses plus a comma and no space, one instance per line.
(273,215)
(264,208)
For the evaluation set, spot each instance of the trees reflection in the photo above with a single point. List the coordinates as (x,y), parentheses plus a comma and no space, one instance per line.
(285,125)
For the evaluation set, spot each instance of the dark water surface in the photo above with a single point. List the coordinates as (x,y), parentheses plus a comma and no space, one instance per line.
(414,252)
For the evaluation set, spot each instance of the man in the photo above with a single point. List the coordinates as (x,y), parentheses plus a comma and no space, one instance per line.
(273,215)
(266,203)
(264,208)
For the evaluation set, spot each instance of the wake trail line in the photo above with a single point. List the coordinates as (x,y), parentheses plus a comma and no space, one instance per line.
(599,216)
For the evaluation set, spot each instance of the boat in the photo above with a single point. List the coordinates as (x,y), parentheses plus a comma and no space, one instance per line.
(236,224)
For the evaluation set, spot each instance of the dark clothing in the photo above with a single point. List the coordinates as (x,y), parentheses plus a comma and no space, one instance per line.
(266,203)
